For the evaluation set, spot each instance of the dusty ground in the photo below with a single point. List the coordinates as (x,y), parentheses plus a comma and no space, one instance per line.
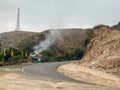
(14,79)
(2,74)
(91,75)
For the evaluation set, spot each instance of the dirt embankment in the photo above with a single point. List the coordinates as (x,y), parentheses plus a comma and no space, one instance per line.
(103,49)
(101,63)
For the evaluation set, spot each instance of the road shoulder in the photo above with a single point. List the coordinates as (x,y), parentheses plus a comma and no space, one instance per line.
(15,79)
(89,75)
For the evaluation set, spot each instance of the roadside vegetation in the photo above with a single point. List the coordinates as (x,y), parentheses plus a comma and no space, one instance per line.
(49,56)
(11,56)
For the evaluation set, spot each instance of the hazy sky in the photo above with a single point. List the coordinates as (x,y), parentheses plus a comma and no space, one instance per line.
(37,15)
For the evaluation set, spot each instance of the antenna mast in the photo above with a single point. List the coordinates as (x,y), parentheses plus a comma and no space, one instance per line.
(18,21)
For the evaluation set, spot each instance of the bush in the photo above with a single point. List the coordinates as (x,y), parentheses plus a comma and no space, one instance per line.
(78,54)
(48,56)
(89,32)
(14,60)
(8,59)
(117,26)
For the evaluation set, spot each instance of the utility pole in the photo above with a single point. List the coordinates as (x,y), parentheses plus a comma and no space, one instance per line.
(18,20)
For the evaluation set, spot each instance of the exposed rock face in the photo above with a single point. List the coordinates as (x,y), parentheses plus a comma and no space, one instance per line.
(103,49)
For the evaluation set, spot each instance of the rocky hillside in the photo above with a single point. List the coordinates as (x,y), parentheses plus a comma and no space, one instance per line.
(103,49)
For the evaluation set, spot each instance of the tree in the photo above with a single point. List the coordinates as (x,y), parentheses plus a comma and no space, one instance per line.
(46,55)
(78,53)
(117,26)
(14,58)
(49,56)
(28,49)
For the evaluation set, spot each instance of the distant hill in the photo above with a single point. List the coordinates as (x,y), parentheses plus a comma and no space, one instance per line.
(33,40)
(11,39)
(69,39)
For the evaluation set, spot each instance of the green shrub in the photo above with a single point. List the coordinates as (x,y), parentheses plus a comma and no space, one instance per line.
(117,26)
(89,32)
(8,59)
(48,56)
(14,60)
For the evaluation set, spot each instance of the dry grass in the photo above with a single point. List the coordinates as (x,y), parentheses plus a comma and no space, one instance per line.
(14,37)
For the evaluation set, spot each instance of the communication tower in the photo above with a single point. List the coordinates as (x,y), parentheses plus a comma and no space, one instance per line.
(18,21)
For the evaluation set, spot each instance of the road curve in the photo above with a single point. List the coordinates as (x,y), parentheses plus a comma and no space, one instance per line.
(48,70)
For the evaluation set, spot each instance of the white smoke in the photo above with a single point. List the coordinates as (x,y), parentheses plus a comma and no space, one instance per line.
(44,45)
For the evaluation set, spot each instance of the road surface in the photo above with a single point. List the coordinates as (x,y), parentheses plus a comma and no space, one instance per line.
(48,70)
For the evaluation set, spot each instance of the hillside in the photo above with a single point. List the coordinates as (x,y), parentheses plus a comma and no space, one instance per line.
(58,40)
(11,39)
(31,41)
(68,39)
(103,49)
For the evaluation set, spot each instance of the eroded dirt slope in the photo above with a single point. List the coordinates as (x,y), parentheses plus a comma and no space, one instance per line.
(103,49)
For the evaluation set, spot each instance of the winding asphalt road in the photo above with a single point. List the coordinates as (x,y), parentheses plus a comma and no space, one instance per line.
(48,70)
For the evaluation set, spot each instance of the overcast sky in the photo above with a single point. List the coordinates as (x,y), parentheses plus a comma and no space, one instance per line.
(37,15)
